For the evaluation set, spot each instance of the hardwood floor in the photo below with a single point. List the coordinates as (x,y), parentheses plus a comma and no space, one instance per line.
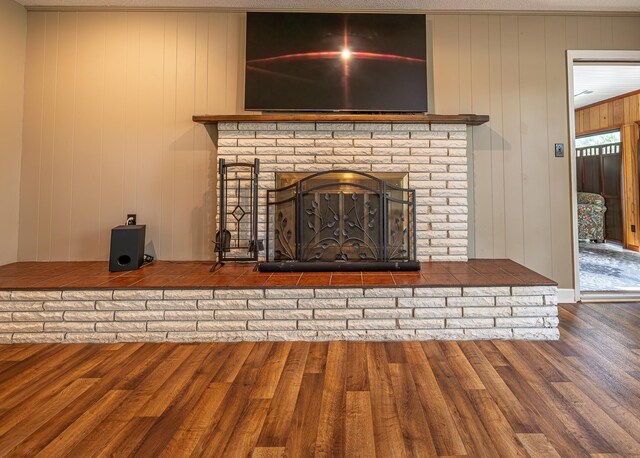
(579,396)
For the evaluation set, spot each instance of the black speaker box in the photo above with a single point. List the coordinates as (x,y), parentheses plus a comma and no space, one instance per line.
(127,248)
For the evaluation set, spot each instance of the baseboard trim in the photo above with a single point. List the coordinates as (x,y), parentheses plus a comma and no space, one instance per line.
(610,297)
(566,295)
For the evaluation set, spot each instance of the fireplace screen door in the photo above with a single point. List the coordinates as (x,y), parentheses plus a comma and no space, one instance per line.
(341,217)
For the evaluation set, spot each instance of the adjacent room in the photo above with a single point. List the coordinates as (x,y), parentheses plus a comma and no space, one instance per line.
(316,228)
(606,101)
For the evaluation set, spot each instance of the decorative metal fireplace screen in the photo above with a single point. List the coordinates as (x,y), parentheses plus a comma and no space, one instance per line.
(340,220)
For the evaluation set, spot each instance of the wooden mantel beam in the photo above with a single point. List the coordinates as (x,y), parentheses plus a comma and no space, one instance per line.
(469,119)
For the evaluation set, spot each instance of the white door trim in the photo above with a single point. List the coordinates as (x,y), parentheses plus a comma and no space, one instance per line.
(572,57)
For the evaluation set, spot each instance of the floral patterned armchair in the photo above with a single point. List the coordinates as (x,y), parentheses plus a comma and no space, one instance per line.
(591,211)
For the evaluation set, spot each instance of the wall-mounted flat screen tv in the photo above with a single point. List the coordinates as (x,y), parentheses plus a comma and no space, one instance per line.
(336,62)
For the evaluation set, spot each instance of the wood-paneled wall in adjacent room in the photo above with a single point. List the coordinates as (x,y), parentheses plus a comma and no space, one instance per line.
(108,130)
(608,114)
(620,113)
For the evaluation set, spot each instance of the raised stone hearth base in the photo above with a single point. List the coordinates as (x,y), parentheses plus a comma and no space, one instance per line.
(193,315)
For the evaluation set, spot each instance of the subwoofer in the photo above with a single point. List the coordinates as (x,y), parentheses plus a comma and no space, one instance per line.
(127,248)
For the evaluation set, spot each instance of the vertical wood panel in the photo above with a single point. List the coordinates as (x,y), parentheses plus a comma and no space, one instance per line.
(87,137)
(235,29)
(618,112)
(465,90)
(446,72)
(557,126)
(165,243)
(589,32)
(33,136)
(535,175)
(216,102)
(511,112)
(185,131)
(131,131)
(114,152)
(497,138)
(606,33)
(47,137)
(631,186)
(13,49)
(62,154)
(481,140)
(150,92)
(626,33)
(201,199)
(465,67)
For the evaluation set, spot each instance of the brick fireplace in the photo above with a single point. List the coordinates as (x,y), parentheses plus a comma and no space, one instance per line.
(433,156)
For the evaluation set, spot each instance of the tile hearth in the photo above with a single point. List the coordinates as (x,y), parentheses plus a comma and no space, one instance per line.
(182,301)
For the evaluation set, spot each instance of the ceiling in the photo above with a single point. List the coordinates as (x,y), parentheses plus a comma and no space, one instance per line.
(344,5)
(605,81)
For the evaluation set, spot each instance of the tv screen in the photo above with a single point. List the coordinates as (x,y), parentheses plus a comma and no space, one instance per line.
(336,62)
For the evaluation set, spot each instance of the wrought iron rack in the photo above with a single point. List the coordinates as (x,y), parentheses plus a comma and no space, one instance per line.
(237,235)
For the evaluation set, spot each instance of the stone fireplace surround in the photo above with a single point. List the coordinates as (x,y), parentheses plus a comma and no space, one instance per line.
(433,155)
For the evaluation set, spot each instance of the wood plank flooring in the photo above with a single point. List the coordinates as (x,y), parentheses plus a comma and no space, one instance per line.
(579,396)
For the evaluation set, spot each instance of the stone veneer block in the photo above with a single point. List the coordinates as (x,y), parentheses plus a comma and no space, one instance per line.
(172,305)
(329,293)
(222,304)
(239,293)
(98,295)
(437,292)
(289,293)
(419,302)
(69,305)
(20,306)
(533,290)
(131,294)
(486,291)
(120,305)
(36,295)
(188,294)
(27,337)
(5,338)
(388,292)
(383,302)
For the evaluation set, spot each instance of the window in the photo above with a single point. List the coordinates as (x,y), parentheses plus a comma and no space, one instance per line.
(603,138)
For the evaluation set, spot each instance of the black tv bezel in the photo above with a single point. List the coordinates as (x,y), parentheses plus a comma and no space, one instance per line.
(338,110)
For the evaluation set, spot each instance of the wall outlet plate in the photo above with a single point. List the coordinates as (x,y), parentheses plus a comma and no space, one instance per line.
(131,219)
(559,149)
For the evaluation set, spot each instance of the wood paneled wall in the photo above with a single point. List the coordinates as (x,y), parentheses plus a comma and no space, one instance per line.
(620,113)
(608,115)
(13,36)
(513,68)
(108,130)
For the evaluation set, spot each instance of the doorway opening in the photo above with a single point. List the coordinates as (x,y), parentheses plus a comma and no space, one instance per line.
(604,101)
